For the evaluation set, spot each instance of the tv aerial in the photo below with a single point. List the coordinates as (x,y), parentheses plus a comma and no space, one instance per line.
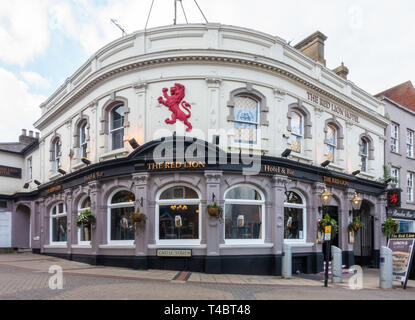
(115,22)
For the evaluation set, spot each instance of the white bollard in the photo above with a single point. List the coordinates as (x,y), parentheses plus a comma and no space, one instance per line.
(287,261)
(336,265)
(386,268)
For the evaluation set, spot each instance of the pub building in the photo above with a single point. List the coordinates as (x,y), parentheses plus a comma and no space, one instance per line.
(174,119)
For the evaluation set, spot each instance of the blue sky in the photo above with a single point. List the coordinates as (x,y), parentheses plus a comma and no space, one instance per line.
(43,42)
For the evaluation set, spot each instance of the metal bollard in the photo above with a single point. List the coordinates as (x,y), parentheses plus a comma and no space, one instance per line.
(386,268)
(287,261)
(336,265)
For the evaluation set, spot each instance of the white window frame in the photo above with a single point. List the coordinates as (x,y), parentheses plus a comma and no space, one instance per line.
(397,176)
(410,187)
(58,215)
(83,144)
(115,206)
(410,143)
(335,143)
(30,169)
(113,130)
(57,151)
(365,156)
(295,135)
(177,242)
(81,210)
(257,123)
(395,138)
(304,208)
(247,202)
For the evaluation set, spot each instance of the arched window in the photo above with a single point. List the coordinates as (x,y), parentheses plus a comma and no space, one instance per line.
(56,154)
(244,215)
(294,217)
(246,119)
(331,140)
(120,207)
(364,154)
(117,127)
(178,218)
(297,131)
(83,144)
(84,232)
(58,224)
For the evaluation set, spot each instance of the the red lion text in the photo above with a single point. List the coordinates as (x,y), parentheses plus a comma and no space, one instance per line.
(173,102)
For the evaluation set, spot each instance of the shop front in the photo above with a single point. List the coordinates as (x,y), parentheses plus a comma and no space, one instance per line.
(261,211)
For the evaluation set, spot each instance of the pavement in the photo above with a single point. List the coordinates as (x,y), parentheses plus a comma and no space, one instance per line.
(25,276)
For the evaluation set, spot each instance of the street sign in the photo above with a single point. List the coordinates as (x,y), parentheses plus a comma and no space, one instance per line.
(327,233)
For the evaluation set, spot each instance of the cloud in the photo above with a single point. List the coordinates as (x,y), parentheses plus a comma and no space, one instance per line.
(36,80)
(20,108)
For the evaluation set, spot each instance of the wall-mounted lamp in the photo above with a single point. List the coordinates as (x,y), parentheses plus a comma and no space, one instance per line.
(356,172)
(37,182)
(356,202)
(61,171)
(325,163)
(86,161)
(134,144)
(286,153)
(326,197)
(26,186)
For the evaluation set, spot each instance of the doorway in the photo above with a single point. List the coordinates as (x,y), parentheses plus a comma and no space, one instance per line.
(21,228)
(333,212)
(364,239)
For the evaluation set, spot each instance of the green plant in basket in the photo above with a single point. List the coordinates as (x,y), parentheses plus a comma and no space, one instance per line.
(86,218)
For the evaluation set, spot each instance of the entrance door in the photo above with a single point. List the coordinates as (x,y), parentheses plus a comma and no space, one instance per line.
(21,228)
(333,212)
(363,246)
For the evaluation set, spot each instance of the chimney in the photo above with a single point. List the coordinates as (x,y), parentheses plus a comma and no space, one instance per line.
(313,46)
(37,135)
(28,139)
(342,71)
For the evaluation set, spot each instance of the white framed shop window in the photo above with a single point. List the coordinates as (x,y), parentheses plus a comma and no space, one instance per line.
(84,233)
(58,225)
(406,226)
(295,218)
(244,215)
(178,216)
(120,229)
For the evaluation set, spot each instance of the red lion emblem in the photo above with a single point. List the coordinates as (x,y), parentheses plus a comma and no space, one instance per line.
(173,102)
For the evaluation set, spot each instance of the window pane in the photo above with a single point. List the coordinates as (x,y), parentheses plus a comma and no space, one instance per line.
(121,225)
(117,117)
(363,147)
(245,133)
(243,221)
(330,153)
(296,124)
(179,222)
(296,144)
(244,193)
(61,208)
(85,233)
(179,192)
(331,136)
(246,109)
(117,138)
(406,226)
(59,229)
(293,198)
(293,223)
(86,203)
(123,197)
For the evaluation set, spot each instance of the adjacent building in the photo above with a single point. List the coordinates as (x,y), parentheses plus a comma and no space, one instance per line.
(173,119)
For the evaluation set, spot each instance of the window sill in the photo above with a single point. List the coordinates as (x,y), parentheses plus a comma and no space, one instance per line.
(299,156)
(367,175)
(81,246)
(247,245)
(299,244)
(54,176)
(176,246)
(396,153)
(410,158)
(336,167)
(117,246)
(114,154)
(78,166)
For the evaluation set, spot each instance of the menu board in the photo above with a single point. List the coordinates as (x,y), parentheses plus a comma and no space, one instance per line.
(5,230)
(402,251)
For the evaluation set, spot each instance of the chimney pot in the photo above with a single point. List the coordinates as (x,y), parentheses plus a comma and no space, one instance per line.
(342,71)
(24,132)
(31,134)
(37,135)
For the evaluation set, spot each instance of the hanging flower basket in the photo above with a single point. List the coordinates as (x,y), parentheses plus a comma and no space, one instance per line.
(390,227)
(138,217)
(327,221)
(355,225)
(215,210)
(85,219)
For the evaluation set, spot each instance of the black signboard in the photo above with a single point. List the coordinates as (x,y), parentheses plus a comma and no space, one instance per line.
(394,198)
(10,172)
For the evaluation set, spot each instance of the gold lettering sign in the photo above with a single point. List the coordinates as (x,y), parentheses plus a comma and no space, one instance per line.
(53,189)
(10,172)
(278,170)
(174,253)
(176,165)
(336,181)
(93,176)
(332,106)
